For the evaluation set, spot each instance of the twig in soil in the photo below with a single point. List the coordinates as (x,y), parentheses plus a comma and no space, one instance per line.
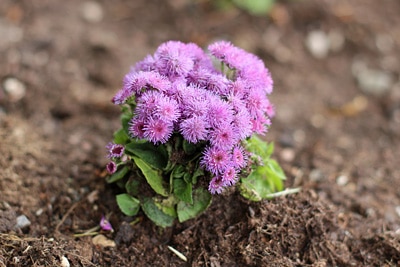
(285,192)
(65,216)
(177,253)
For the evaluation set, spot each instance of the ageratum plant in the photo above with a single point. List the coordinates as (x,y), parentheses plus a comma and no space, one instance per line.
(190,121)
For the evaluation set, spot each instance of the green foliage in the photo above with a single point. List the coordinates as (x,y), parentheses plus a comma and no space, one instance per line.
(266,176)
(201,201)
(128,204)
(154,156)
(162,180)
(155,214)
(152,176)
(254,7)
(118,175)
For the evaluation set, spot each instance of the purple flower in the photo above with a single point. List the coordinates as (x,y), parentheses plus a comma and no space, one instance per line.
(157,130)
(219,112)
(136,127)
(172,59)
(147,103)
(155,80)
(105,224)
(239,157)
(199,57)
(224,136)
(180,90)
(239,87)
(193,101)
(167,109)
(216,185)
(215,82)
(147,64)
(256,101)
(115,150)
(229,176)
(242,122)
(259,125)
(270,109)
(215,160)
(194,129)
(224,51)
(111,167)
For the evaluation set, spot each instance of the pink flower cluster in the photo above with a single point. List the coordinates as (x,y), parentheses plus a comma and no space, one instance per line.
(179,90)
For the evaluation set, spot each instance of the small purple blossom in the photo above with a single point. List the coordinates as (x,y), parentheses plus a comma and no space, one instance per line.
(215,160)
(115,150)
(229,177)
(172,59)
(239,157)
(219,112)
(194,129)
(136,127)
(224,136)
(216,185)
(157,130)
(111,167)
(167,109)
(105,225)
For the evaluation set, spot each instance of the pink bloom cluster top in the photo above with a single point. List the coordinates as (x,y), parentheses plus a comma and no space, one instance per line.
(218,97)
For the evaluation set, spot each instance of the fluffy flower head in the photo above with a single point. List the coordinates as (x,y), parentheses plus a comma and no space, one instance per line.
(213,100)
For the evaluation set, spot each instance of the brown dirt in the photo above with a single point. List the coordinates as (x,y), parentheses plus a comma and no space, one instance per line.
(339,144)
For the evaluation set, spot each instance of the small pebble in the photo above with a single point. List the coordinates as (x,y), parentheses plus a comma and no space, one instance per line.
(101,240)
(318,121)
(251,212)
(287,154)
(14,88)
(22,222)
(92,11)
(317,43)
(342,180)
(64,262)
(39,212)
(375,82)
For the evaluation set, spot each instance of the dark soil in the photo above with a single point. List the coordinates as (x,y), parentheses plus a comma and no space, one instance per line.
(338,143)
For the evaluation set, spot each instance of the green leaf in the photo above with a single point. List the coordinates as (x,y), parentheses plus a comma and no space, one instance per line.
(155,156)
(167,205)
(155,214)
(126,116)
(256,7)
(258,147)
(183,190)
(197,173)
(128,204)
(269,150)
(153,177)
(188,147)
(117,175)
(275,174)
(132,186)
(178,172)
(256,186)
(121,137)
(201,201)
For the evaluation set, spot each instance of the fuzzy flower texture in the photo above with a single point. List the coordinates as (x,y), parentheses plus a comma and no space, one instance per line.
(219,97)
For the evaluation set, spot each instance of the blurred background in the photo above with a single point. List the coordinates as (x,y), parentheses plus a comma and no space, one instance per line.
(335,66)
